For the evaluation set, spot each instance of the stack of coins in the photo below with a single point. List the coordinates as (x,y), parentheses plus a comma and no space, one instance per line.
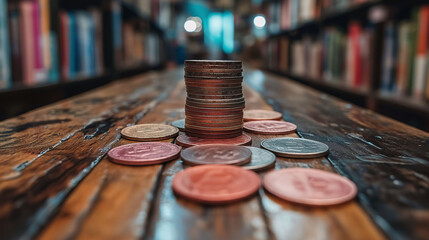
(215,102)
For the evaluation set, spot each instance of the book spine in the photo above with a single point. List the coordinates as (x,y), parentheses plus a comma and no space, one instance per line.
(37,45)
(5,73)
(64,45)
(15,38)
(45,33)
(421,51)
(27,34)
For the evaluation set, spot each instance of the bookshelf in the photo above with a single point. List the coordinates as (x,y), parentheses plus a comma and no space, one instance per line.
(103,22)
(289,38)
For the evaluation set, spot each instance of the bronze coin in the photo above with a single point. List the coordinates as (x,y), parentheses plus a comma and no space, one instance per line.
(216,154)
(310,186)
(215,184)
(270,127)
(260,114)
(149,132)
(214,97)
(146,153)
(214,136)
(213,62)
(213,77)
(188,141)
(196,80)
(215,111)
(212,70)
(214,128)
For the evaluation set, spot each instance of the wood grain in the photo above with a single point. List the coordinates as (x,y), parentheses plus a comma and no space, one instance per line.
(388,160)
(31,198)
(56,182)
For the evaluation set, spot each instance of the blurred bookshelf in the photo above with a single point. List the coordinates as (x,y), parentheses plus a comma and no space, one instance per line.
(52,49)
(374,53)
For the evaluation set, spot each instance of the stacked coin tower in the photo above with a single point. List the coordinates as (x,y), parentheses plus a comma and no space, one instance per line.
(215,102)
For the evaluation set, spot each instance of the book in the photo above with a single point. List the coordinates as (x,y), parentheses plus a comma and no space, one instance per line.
(27,44)
(5,73)
(421,53)
(404,57)
(15,38)
(65,44)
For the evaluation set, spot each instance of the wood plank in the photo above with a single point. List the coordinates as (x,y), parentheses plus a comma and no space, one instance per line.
(388,160)
(113,202)
(30,199)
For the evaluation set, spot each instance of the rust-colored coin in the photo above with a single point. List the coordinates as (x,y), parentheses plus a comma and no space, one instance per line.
(212,62)
(149,132)
(212,70)
(216,184)
(269,127)
(180,124)
(216,154)
(260,114)
(188,141)
(146,153)
(310,186)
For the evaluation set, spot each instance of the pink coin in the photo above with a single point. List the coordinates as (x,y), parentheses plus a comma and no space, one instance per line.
(269,127)
(186,141)
(144,153)
(310,186)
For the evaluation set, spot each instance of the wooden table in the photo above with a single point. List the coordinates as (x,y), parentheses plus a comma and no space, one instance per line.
(56,183)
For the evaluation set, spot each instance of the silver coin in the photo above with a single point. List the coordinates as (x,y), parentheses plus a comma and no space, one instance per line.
(295,147)
(180,124)
(261,159)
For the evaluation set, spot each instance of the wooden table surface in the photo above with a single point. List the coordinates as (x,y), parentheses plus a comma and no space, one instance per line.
(56,182)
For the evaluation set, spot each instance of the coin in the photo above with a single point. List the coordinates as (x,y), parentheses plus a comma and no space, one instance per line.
(269,127)
(180,124)
(146,153)
(187,141)
(295,147)
(149,132)
(216,154)
(204,63)
(260,114)
(310,186)
(216,184)
(261,159)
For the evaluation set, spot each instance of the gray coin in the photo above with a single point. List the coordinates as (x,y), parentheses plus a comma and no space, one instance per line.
(180,124)
(295,147)
(261,159)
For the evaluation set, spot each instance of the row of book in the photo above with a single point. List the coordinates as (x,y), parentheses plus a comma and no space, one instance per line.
(288,14)
(334,56)
(32,53)
(28,47)
(139,46)
(405,68)
(136,45)
(81,36)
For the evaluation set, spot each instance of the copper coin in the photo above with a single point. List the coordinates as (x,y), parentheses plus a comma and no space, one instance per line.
(146,153)
(310,186)
(260,114)
(216,184)
(187,141)
(269,127)
(213,77)
(196,80)
(213,135)
(261,159)
(149,132)
(180,124)
(295,147)
(212,70)
(216,154)
(205,63)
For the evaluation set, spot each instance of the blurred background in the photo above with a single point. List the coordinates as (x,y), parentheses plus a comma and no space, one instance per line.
(373,53)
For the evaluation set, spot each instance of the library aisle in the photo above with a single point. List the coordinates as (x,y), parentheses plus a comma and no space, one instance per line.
(195,119)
